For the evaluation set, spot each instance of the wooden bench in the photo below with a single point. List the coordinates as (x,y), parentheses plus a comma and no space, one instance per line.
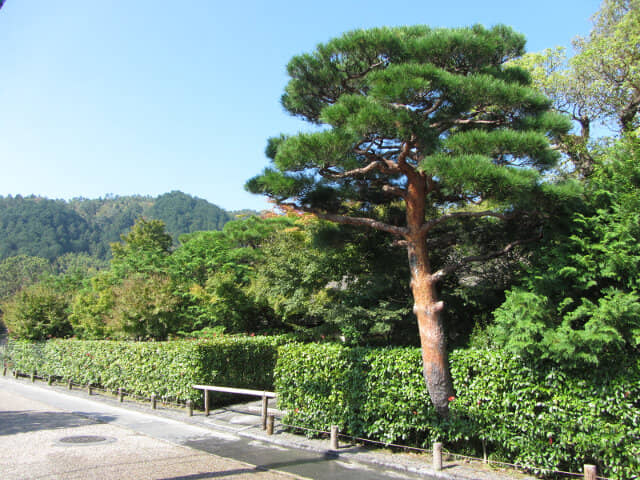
(239,391)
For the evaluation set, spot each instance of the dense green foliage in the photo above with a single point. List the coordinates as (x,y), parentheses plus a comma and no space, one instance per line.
(168,369)
(579,301)
(38,312)
(40,227)
(183,213)
(540,417)
(19,272)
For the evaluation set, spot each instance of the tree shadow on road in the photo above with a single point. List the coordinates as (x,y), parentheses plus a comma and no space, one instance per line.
(258,468)
(13,422)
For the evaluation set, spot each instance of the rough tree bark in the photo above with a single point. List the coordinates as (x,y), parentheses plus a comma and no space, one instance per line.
(426,307)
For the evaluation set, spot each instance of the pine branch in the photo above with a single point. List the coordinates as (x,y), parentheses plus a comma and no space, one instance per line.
(397,191)
(375,165)
(486,213)
(348,220)
(483,258)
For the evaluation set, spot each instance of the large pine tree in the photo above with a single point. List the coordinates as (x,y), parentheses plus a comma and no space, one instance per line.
(418,128)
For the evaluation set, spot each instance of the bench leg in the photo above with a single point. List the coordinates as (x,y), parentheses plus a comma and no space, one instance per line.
(265,407)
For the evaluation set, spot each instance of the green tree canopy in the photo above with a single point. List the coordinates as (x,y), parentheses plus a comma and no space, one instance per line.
(19,272)
(38,312)
(144,249)
(580,302)
(421,128)
(600,83)
(184,213)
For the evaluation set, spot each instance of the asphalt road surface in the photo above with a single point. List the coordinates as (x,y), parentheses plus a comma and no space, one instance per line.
(46,433)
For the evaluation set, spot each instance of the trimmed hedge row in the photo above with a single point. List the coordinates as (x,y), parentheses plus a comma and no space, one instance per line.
(534,416)
(541,417)
(168,369)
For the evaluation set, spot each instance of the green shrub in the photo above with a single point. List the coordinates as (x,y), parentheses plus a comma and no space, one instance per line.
(168,369)
(538,417)
(548,418)
(320,385)
(38,312)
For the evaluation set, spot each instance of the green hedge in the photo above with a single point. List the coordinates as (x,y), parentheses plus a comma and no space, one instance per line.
(539,417)
(167,369)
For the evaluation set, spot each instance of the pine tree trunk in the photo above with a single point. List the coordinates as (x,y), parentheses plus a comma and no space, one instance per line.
(427,309)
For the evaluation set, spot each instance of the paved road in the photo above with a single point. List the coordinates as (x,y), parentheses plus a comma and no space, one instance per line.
(37,423)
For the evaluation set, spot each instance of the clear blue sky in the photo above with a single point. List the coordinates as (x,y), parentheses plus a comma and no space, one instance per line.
(146,97)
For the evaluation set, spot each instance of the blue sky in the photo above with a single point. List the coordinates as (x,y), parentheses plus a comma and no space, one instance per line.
(146,97)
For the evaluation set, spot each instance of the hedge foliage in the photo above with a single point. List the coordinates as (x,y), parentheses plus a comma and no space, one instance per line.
(168,369)
(541,416)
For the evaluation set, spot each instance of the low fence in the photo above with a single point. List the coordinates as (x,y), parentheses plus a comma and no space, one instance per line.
(439,455)
(238,391)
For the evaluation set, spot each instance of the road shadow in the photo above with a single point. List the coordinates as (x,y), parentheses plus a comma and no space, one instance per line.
(32,421)
(257,469)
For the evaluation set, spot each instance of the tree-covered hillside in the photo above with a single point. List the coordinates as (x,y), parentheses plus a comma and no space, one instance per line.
(46,228)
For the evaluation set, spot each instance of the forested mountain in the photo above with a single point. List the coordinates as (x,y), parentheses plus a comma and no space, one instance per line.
(46,228)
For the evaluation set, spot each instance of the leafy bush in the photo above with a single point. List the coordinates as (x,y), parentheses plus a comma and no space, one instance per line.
(168,369)
(578,305)
(547,418)
(38,312)
(319,385)
(538,417)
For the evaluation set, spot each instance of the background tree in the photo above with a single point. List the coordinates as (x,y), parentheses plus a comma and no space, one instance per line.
(38,312)
(422,128)
(144,308)
(599,84)
(19,272)
(610,58)
(579,303)
(40,227)
(92,307)
(47,228)
(144,249)
(183,213)
(212,271)
(328,280)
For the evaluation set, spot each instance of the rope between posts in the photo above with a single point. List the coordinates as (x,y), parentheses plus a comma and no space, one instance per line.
(455,455)
(163,400)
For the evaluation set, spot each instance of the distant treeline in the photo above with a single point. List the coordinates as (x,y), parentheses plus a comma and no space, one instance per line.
(46,228)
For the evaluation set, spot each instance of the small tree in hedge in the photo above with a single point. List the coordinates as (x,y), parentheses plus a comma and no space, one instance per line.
(38,312)
(422,128)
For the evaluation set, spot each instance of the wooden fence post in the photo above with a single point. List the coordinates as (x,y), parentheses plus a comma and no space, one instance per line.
(120,395)
(69,384)
(50,380)
(153,401)
(265,407)
(334,437)
(89,389)
(189,408)
(206,402)
(590,472)
(437,456)
(33,377)
(270,419)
